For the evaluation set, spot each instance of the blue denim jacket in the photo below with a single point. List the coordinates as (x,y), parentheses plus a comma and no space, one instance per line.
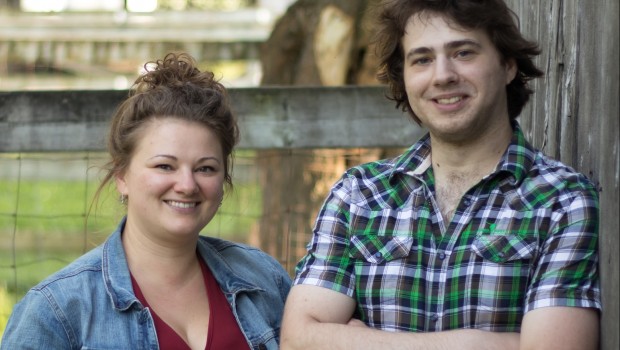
(90,304)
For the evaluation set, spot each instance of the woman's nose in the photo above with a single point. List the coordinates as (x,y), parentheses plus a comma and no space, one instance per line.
(186,182)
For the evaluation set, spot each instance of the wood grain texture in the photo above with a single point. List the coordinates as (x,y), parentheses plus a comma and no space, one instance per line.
(574,113)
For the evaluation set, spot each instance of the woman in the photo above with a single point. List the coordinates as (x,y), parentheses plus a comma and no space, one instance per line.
(155,283)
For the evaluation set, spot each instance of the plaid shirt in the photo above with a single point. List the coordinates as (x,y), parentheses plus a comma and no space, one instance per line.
(524,237)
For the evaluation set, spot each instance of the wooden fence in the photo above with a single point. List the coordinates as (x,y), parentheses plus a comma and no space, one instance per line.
(574,115)
(76,41)
(48,121)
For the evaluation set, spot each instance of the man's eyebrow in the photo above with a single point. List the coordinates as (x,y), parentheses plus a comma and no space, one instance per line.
(460,43)
(450,45)
(417,51)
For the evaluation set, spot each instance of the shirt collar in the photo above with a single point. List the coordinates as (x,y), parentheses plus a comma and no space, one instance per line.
(118,279)
(116,274)
(230,281)
(416,160)
(517,160)
(519,157)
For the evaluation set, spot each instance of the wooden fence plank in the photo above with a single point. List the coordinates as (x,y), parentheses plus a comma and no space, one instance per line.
(286,117)
(574,114)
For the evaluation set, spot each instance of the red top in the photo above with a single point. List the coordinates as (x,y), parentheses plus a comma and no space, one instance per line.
(226,334)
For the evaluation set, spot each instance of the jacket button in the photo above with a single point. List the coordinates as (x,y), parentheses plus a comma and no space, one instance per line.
(262,347)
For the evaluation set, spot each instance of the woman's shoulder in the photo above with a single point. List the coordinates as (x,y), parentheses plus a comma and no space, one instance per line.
(221,244)
(242,257)
(84,268)
(229,249)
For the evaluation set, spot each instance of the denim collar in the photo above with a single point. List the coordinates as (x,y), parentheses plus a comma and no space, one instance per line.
(117,278)
(231,282)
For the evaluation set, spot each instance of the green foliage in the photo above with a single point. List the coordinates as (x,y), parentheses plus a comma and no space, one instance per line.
(6,305)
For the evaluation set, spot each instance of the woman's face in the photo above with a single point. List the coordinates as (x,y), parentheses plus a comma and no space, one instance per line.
(174,182)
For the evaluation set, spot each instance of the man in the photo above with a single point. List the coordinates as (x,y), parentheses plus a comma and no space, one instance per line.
(471,239)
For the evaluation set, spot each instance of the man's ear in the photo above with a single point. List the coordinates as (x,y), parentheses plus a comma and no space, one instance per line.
(511,70)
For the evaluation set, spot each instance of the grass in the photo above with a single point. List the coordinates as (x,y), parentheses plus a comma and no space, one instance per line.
(6,306)
(43,227)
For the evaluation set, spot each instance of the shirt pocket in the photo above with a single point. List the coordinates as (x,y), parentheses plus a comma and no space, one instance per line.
(379,249)
(504,248)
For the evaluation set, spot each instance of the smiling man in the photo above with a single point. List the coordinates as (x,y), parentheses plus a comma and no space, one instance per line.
(471,239)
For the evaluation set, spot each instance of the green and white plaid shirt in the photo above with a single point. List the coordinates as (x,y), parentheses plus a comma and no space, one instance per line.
(523,238)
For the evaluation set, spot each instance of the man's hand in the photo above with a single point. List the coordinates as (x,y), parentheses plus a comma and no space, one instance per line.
(356,323)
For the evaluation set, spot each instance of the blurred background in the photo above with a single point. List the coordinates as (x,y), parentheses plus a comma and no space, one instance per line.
(101,44)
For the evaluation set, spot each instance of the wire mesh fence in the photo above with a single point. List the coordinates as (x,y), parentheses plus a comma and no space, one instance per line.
(48,217)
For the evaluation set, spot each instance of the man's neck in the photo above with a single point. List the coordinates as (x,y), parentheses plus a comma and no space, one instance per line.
(457,167)
(479,155)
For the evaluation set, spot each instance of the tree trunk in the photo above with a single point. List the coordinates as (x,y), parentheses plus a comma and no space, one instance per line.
(320,43)
(11,5)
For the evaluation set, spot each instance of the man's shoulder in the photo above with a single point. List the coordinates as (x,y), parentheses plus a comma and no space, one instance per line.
(387,167)
(539,172)
(377,168)
(550,182)
(551,170)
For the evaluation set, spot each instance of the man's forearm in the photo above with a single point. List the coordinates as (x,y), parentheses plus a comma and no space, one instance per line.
(317,335)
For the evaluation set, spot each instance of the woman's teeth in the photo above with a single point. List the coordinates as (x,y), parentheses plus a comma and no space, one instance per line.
(182,204)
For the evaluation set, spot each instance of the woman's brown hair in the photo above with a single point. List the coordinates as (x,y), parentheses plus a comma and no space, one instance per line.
(172,87)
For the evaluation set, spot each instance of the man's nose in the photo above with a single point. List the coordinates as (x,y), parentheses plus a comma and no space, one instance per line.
(444,71)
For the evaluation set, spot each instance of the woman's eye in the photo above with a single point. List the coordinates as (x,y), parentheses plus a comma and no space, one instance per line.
(163,166)
(206,169)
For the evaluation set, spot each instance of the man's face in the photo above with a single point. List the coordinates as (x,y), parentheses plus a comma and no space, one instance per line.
(454,78)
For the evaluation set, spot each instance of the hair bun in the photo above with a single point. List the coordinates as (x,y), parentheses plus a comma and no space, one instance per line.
(173,71)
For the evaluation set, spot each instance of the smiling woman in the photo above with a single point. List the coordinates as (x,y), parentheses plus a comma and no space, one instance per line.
(174,183)
(170,147)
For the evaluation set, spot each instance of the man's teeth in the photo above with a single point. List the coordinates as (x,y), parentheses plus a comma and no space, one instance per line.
(182,204)
(447,101)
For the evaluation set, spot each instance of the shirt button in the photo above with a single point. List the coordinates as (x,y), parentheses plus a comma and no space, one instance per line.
(378,255)
(467,202)
(442,256)
(434,318)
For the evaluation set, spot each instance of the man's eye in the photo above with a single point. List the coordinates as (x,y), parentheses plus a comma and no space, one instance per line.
(464,53)
(421,61)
